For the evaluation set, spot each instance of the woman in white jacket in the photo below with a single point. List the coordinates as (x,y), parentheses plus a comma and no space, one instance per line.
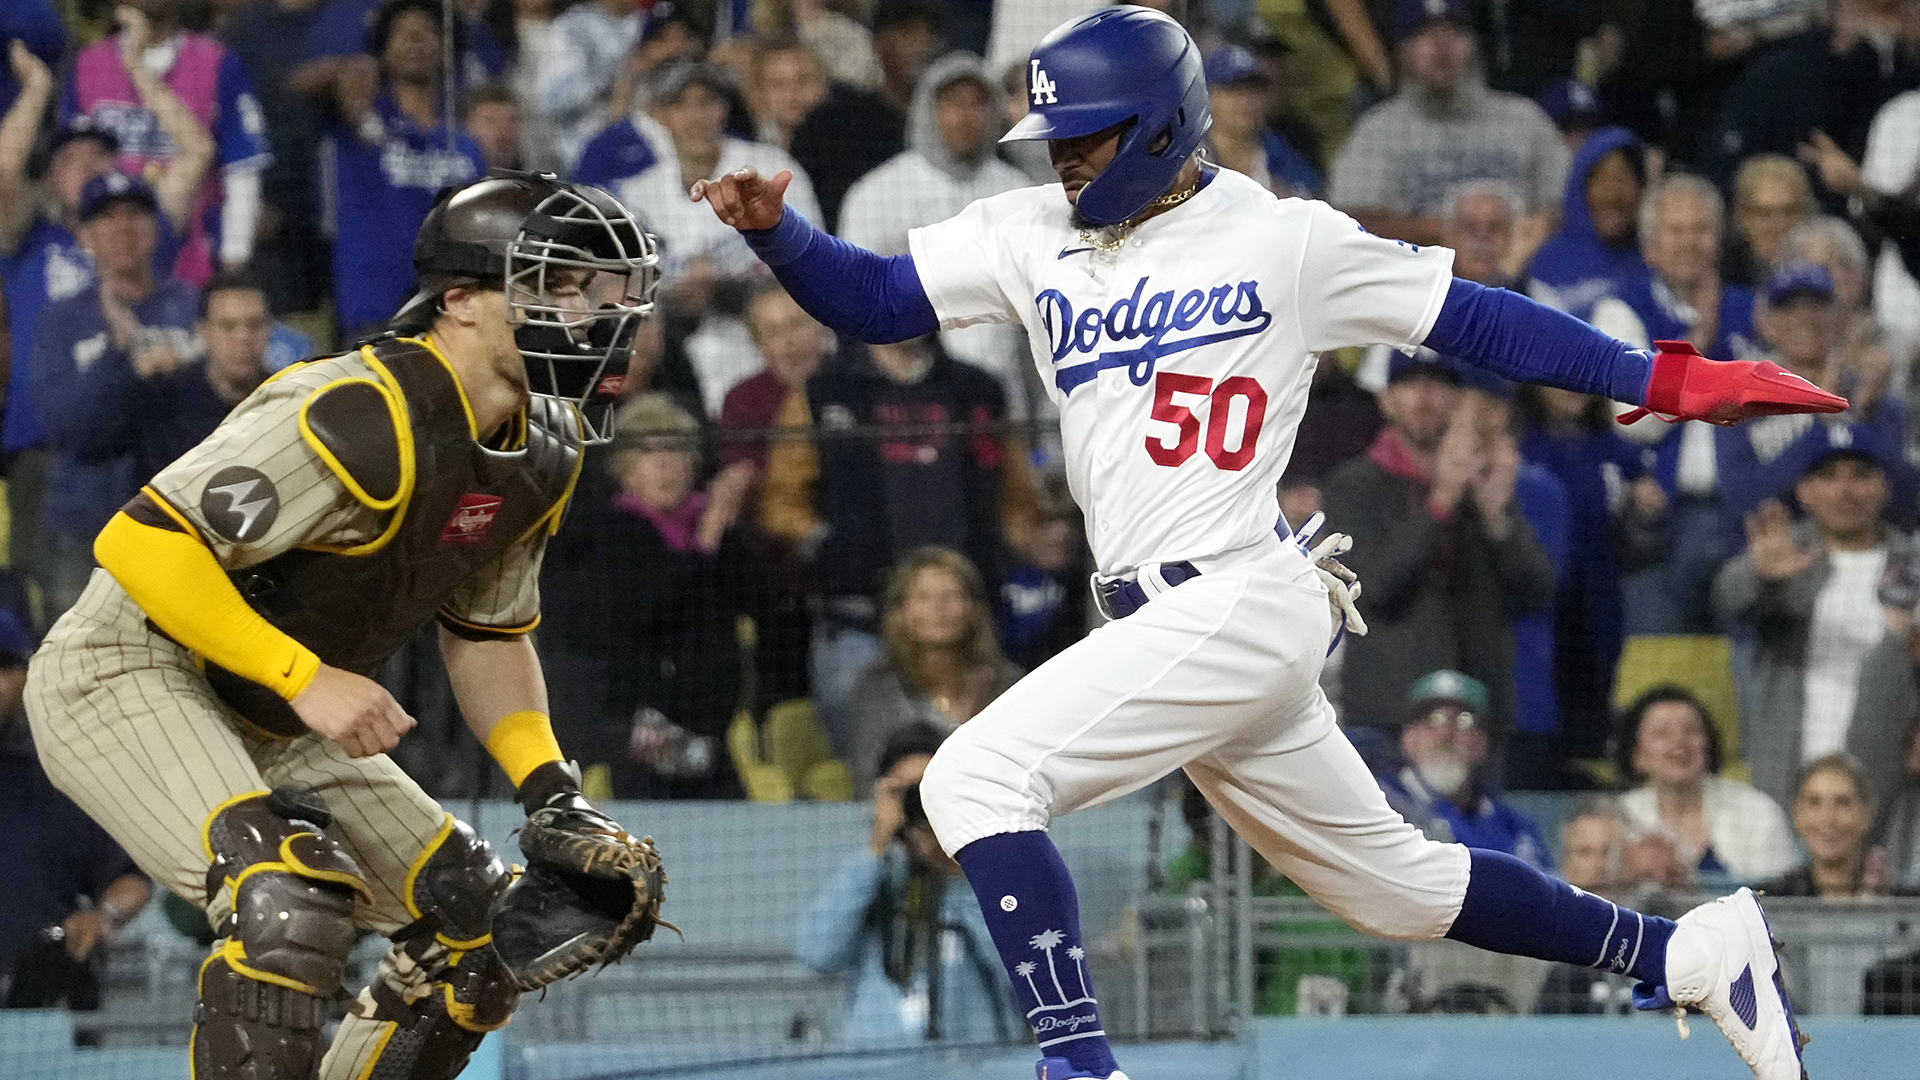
(1728,832)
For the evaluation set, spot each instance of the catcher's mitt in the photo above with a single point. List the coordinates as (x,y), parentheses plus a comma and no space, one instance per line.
(590,893)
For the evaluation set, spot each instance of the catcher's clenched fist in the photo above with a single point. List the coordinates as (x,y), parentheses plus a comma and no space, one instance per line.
(589,894)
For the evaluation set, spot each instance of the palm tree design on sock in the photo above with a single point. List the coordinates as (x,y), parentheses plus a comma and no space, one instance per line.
(1047,941)
(1025,969)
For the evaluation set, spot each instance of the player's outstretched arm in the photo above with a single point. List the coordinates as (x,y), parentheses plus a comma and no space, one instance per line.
(856,292)
(1521,339)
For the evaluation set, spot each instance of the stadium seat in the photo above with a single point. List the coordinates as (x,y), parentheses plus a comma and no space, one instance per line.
(1700,663)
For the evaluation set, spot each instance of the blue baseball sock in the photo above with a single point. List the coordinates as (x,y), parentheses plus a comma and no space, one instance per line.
(1512,908)
(1033,914)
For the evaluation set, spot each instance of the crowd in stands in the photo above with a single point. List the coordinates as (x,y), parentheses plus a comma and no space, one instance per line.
(197,193)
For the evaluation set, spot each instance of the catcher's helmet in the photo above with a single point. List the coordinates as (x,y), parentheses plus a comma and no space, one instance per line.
(1115,65)
(578,270)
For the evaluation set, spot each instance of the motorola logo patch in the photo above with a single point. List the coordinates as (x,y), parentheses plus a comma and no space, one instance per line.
(240,503)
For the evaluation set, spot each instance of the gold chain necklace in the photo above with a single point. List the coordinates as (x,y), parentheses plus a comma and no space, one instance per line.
(1119,233)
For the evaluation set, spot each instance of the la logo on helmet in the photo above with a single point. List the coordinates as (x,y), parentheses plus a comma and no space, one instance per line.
(1043,87)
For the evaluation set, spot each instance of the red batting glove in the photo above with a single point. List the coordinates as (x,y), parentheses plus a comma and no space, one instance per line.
(1688,386)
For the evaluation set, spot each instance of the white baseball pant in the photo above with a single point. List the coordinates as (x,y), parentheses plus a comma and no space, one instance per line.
(1219,676)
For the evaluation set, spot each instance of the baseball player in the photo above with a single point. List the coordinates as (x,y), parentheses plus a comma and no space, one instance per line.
(1174,310)
(207,700)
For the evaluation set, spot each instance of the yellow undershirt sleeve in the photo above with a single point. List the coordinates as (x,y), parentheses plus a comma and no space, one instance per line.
(522,742)
(182,588)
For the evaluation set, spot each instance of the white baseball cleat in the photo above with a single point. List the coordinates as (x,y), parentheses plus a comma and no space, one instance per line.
(1721,960)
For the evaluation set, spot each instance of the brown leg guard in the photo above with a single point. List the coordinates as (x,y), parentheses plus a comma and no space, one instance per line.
(440,989)
(274,973)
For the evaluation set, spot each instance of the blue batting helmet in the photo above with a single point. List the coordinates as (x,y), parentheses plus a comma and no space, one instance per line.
(1116,65)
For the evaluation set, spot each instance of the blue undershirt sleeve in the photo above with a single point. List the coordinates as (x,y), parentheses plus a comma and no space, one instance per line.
(1521,339)
(874,298)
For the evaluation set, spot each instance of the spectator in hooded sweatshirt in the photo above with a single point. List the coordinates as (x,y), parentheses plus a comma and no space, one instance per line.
(1597,248)
(952,128)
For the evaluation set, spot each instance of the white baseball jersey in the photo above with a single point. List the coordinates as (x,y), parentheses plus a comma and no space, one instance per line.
(1180,363)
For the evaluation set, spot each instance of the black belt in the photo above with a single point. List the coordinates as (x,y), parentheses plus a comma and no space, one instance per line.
(1122,597)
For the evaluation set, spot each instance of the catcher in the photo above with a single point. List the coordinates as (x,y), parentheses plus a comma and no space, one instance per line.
(208,698)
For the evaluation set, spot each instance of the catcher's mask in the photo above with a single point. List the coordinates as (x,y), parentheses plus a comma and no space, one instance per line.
(579,274)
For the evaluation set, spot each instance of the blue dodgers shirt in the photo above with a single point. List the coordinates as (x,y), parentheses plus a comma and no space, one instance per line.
(381,192)
(1493,825)
(81,381)
(47,266)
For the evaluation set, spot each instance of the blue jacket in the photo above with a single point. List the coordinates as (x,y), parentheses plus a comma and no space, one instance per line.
(1493,825)
(1575,269)
(843,933)
(1543,501)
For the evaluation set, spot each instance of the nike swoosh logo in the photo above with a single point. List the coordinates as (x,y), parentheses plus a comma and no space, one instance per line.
(1064,252)
(289,672)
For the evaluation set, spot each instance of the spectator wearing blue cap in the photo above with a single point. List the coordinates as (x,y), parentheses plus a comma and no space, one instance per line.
(1441,128)
(1448,558)
(1241,92)
(1448,738)
(1575,108)
(1829,599)
(41,260)
(129,326)
(1595,253)
(600,58)
(1801,323)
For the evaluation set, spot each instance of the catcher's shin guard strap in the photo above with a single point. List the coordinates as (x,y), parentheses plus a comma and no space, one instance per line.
(421,1019)
(522,742)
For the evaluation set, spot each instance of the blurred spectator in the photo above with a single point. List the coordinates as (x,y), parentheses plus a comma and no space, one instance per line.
(1443,790)
(884,491)
(587,46)
(345,33)
(1341,421)
(899,918)
(1898,830)
(1889,193)
(1447,559)
(947,165)
(1240,139)
(1030,156)
(1833,811)
(1735,27)
(388,155)
(490,116)
(1884,193)
(36,25)
(1862,348)
(1800,320)
(1594,858)
(1479,221)
(1615,510)
(1810,593)
(1533,750)
(1681,226)
(844,48)
(855,130)
(668,575)
(788,84)
(1532,43)
(171,415)
(1442,127)
(1597,248)
(794,346)
(1574,107)
(41,261)
(532,38)
(1043,607)
(940,662)
(1831,78)
(69,886)
(1720,829)
(130,325)
(270,39)
(1771,196)
(112,82)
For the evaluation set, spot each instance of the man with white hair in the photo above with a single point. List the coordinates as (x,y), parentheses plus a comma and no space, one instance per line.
(1478,220)
(1682,224)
